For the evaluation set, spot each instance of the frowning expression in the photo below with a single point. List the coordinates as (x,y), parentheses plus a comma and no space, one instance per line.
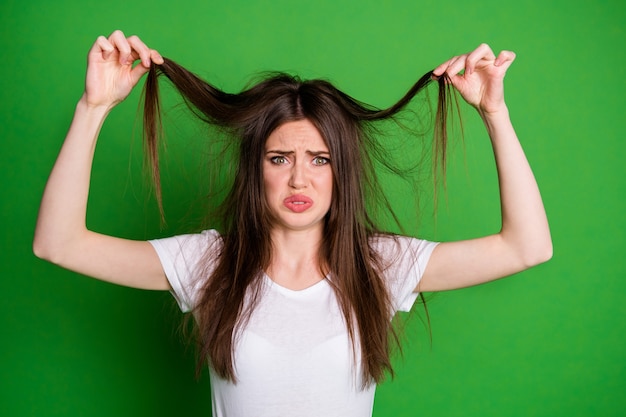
(297,176)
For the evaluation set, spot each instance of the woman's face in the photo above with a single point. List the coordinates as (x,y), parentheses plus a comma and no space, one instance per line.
(297,176)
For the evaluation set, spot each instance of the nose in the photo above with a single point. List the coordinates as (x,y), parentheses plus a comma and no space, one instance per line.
(298,178)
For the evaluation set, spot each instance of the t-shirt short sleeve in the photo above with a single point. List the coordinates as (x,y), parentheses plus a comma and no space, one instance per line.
(180,258)
(404,262)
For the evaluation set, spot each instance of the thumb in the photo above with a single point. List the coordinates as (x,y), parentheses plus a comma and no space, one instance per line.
(137,72)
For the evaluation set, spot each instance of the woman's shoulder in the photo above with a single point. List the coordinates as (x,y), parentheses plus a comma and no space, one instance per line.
(391,241)
(202,236)
(393,248)
(187,260)
(191,245)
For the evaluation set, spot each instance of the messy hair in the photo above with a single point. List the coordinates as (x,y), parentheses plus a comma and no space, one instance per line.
(232,285)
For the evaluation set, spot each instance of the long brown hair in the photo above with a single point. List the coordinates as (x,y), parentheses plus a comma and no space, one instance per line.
(232,284)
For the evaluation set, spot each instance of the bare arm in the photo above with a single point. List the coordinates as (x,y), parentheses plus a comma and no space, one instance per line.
(61,235)
(524,239)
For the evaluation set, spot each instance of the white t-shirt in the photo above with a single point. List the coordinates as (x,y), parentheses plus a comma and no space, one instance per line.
(294,357)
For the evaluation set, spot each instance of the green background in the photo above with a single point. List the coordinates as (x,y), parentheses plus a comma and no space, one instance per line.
(546,342)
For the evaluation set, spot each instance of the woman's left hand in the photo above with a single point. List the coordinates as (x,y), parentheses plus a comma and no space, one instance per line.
(524,236)
(481,83)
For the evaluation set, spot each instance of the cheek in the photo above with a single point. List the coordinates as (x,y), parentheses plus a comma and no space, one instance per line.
(271,183)
(326,185)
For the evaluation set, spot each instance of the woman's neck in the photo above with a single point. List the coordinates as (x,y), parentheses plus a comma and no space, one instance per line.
(295,262)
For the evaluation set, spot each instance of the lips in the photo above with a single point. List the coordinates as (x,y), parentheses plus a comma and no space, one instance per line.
(297,203)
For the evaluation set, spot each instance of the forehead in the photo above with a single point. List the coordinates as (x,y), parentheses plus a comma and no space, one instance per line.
(297,134)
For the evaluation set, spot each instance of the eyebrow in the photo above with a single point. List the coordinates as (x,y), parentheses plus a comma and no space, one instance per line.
(312,153)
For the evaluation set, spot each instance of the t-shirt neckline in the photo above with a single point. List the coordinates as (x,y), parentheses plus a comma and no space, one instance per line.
(305,291)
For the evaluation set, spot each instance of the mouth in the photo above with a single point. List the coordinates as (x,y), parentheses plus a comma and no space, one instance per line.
(298,203)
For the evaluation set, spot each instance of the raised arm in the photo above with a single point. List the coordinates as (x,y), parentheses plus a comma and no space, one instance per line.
(61,235)
(524,239)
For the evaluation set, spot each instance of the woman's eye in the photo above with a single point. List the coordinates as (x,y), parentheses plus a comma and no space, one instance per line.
(278,160)
(319,160)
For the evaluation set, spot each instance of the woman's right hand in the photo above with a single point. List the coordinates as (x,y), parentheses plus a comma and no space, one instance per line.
(110,72)
(61,235)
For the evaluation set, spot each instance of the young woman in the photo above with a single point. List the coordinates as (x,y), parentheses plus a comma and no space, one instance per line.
(294,297)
